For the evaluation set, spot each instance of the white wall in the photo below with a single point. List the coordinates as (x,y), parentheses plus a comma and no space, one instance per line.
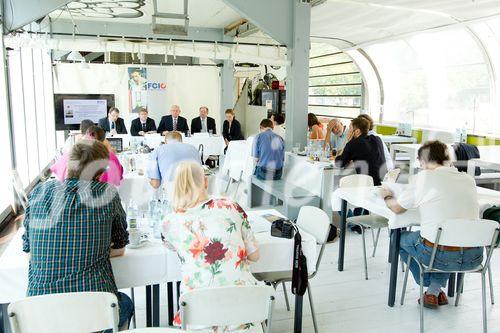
(189,87)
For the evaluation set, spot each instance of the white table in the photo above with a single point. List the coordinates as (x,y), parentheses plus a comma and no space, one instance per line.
(490,158)
(370,199)
(154,264)
(393,139)
(319,178)
(411,149)
(212,145)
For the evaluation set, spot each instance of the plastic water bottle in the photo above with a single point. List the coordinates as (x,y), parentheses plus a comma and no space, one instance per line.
(132,212)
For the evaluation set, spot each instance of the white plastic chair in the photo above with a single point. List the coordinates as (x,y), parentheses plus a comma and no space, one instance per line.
(227,306)
(315,222)
(371,221)
(235,164)
(69,312)
(155,330)
(459,233)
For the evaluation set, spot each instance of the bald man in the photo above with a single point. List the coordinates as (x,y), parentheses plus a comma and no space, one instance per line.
(336,134)
(173,122)
(165,159)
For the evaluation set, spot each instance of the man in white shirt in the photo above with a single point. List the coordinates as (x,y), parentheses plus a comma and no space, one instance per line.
(440,193)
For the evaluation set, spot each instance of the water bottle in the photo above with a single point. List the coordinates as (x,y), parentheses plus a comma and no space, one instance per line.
(132,213)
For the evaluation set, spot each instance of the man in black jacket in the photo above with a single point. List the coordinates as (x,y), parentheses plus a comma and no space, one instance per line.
(203,123)
(143,124)
(113,123)
(364,151)
(173,122)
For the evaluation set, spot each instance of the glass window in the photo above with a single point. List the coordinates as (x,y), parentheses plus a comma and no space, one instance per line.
(30,76)
(6,194)
(437,80)
(335,84)
(17,103)
(487,119)
(30,111)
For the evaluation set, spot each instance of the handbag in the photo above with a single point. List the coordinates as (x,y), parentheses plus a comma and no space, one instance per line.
(299,272)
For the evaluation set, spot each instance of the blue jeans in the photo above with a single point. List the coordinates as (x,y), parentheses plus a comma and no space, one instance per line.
(412,244)
(267,174)
(126,310)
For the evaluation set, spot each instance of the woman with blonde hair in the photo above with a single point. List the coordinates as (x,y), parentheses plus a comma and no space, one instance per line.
(212,238)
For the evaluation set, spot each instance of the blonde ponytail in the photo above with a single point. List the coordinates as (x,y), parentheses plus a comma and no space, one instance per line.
(189,186)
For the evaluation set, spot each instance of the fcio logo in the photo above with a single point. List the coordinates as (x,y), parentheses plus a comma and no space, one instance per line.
(157,86)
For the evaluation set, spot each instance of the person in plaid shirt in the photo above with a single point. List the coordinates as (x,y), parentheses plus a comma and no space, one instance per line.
(74,227)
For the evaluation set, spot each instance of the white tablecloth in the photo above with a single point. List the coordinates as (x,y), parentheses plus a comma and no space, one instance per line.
(391,139)
(369,198)
(154,263)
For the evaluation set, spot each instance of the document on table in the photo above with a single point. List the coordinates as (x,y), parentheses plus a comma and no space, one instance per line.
(395,188)
(259,222)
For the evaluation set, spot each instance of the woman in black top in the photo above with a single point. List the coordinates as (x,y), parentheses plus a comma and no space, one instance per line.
(231,129)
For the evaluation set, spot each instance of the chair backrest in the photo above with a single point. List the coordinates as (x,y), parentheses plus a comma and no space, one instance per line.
(315,222)
(69,312)
(223,306)
(392,175)
(356,181)
(236,159)
(467,233)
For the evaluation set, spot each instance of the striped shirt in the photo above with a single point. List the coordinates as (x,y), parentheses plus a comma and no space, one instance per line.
(70,228)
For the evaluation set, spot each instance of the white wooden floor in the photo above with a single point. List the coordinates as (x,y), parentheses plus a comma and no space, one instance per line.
(346,302)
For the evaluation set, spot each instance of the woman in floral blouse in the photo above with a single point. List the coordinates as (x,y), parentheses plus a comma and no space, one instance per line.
(212,238)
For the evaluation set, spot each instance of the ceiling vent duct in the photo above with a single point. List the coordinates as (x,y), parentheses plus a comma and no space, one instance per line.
(170,29)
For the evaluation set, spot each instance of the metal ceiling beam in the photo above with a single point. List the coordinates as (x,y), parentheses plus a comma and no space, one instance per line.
(288,22)
(166,29)
(19,13)
(131,30)
(274,17)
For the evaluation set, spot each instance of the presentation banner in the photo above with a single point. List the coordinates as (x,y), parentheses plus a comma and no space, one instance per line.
(137,88)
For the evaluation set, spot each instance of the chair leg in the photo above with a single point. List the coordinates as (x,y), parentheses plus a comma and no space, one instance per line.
(286,296)
(405,281)
(364,251)
(375,243)
(373,236)
(311,304)
(421,300)
(483,285)
(459,290)
(490,278)
(133,302)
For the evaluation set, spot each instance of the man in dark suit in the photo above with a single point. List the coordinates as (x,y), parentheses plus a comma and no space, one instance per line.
(143,124)
(113,123)
(365,152)
(203,123)
(173,122)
